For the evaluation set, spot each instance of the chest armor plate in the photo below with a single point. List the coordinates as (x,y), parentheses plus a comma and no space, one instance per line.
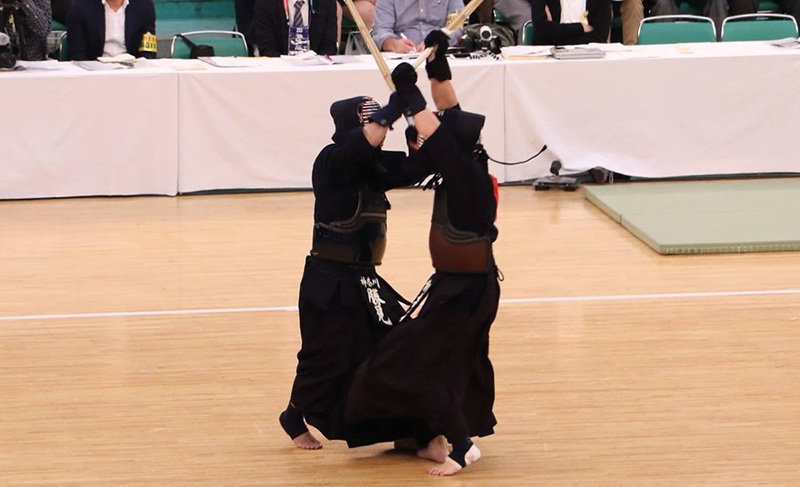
(359,240)
(454,250)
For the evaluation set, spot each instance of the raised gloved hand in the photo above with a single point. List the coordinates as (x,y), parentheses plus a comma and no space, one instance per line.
(409,97)
(404,76)
(438,68)
(389,114)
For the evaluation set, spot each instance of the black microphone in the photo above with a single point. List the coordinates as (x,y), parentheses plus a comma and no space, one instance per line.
(555,167)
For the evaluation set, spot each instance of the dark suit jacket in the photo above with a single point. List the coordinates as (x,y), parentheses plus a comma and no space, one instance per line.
(271,27)
(546,32)
(86,28)
(245,10)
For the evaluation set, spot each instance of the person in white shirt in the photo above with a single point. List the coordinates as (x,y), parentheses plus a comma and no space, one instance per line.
(401,25)
(111,27)
(115,27)
(366,10)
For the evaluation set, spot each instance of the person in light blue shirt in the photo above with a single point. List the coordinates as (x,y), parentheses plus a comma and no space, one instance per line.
(401,25)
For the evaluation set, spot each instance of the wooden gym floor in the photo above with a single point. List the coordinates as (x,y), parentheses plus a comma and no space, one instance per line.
(678,389)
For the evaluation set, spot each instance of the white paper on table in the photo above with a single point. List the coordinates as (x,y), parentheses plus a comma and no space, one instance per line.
(525,52)
(49,65)
(98,66)
(612,47)
(123,58)
(233,62)
(787,43)
(143,63)
(177,64)
(309,58)
(345,59)
(401,55)
(639,54)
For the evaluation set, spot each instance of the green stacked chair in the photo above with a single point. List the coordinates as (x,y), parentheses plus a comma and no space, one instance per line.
(758,27)
(674,29)
(63,55)
(527,33)
(499,19)
(348,26)
(225,43)
(54,39)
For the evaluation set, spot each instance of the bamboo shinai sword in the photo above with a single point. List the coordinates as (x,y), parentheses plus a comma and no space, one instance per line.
(451,27)
(376,52)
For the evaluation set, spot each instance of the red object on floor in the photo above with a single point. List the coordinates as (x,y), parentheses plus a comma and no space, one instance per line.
(496,194)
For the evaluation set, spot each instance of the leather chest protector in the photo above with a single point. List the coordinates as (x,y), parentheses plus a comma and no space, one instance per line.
(359,240)
(454,250)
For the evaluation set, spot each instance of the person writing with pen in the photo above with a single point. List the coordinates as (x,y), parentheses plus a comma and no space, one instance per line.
(401,25)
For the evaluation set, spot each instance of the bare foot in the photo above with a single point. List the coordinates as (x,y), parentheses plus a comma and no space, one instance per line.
(306,441)
(451,467)
(436,450)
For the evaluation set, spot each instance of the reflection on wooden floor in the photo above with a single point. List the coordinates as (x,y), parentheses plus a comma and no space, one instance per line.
(688,391)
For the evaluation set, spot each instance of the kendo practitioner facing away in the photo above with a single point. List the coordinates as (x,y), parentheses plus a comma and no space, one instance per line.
(436,366)
(345,307)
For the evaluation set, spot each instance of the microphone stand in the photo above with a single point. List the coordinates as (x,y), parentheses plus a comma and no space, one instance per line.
(555,181)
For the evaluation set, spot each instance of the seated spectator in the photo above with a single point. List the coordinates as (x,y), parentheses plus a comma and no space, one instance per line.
(273,18)
(98,28)
(741,7)
(401,25)
(60,10)
(717,10)
(34,20)
(632,13)
(366,9)
(568,22)
(516,12)
(244,11)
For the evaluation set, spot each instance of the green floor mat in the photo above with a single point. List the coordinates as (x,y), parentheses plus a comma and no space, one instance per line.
(707,217)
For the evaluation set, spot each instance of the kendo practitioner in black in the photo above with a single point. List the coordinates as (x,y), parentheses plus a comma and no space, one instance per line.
(436,366)
(345,306)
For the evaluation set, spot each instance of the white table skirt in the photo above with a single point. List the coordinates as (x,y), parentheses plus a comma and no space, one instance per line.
(652,111)
(724,109)
(263,127)
(78,133)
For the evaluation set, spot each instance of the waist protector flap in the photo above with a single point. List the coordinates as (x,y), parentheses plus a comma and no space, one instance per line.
(358,240)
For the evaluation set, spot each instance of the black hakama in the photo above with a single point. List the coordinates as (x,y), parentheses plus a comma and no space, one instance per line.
(345,309)
(436,367)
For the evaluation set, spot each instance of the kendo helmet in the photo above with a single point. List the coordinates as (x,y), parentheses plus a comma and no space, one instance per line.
(465,127)
(352,113)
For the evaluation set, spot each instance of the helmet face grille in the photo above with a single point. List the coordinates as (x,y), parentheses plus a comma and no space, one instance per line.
(367,109)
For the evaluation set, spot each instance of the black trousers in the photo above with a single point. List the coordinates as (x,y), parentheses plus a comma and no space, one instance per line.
(435,367)
(717,10)
(245,10)
(741,7)
(338,334)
